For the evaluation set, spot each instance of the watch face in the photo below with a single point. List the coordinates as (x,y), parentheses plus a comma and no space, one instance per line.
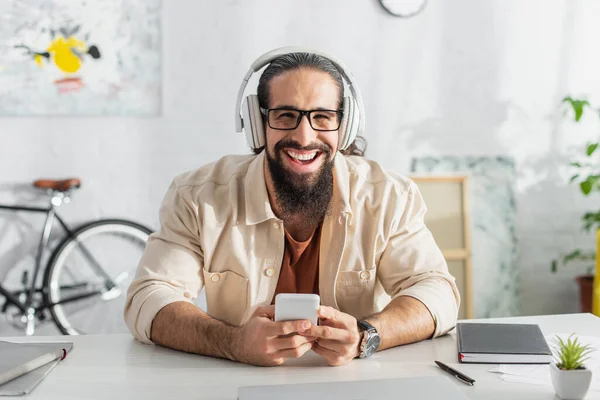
(371,345)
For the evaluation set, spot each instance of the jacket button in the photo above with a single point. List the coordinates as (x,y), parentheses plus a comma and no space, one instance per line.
(276,225)
(364,275)
(269,272)
(215,278)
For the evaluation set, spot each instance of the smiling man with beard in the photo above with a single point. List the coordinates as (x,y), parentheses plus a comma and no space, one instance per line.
(307,213)
(303,198)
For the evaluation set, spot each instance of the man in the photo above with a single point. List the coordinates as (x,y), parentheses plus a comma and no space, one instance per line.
(298,216)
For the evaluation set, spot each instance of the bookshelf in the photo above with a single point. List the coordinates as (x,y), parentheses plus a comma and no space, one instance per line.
(448,219)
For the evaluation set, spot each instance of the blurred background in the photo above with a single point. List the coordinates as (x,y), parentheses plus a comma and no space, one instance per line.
(464,88)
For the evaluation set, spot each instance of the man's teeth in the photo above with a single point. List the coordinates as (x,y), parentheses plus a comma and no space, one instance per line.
(302,157)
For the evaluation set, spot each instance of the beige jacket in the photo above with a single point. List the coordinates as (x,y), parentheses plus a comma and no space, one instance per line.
(218,231)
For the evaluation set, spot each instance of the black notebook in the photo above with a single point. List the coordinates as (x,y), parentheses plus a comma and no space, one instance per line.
(502,344)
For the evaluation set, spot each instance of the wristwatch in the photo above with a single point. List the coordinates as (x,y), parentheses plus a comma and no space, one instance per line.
(370,339)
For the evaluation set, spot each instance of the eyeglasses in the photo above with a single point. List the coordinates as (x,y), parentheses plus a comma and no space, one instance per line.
(287,119)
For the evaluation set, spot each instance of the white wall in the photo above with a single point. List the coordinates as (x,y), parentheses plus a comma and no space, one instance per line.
(465,77)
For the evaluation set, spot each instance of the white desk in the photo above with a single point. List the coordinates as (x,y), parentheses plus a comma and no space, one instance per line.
(118,367)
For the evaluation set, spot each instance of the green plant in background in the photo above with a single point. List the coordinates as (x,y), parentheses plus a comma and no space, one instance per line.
(571,354)
(587,175)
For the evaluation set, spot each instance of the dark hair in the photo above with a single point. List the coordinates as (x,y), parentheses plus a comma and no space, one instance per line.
(291,61)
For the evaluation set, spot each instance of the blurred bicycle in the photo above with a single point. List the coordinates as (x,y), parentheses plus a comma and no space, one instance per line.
(87,273)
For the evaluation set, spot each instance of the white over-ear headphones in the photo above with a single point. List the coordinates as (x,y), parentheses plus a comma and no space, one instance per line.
(353,120)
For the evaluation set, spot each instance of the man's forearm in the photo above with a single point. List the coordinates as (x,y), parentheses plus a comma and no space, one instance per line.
(183,326)
(405,320)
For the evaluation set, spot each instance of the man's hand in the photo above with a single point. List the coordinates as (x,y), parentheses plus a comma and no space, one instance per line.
(337,336)
(264,342)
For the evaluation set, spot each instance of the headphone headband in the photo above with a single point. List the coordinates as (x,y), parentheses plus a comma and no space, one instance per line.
(272,55)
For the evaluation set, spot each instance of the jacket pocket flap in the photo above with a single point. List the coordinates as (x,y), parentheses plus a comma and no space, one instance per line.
(360,277)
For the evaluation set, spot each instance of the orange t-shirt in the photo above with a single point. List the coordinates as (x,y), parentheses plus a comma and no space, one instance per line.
(300,266)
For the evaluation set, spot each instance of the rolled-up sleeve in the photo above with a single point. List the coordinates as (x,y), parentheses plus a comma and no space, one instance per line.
(170,269)
(412,264)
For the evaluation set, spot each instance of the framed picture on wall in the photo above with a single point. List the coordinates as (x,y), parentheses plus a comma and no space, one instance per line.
(80,57)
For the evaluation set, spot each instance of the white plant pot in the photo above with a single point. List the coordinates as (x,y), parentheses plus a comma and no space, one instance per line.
(570,385)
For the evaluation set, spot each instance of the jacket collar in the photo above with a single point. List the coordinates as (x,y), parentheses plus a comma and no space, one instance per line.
(341,184)
(258,207)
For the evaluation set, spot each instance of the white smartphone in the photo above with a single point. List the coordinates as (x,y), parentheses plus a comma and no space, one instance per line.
(297,306)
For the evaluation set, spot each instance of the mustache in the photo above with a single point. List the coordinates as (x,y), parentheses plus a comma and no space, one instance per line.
(292,144)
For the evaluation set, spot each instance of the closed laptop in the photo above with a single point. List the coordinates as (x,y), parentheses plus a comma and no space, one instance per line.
(424,387)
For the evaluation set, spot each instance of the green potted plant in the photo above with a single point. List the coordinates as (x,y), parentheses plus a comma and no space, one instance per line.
(587,176)
(570,378)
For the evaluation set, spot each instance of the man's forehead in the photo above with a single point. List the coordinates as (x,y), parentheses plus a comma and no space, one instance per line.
(304,88)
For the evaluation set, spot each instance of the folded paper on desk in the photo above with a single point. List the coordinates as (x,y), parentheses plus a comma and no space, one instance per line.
(24,365)
(540,374)
(502,344)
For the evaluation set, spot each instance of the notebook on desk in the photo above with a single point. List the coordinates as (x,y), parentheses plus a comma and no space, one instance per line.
(24,365)
(502,344)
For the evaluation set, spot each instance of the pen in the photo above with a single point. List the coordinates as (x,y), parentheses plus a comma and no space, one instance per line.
(459,375)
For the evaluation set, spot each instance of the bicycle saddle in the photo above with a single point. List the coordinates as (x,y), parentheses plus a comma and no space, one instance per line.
(61,186)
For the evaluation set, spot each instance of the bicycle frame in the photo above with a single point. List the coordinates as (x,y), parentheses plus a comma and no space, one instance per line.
(51,216)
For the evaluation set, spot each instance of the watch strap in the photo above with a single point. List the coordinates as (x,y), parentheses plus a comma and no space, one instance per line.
(365,326)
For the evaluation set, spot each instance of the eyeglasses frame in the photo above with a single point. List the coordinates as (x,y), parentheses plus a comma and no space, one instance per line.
(265,112)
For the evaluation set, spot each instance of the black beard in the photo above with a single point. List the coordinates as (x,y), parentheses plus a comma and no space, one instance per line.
(301,195)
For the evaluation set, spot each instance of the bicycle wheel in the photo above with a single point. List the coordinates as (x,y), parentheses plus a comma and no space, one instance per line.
(87,277)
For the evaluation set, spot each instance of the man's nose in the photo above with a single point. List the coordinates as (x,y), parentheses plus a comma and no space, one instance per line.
(304,134)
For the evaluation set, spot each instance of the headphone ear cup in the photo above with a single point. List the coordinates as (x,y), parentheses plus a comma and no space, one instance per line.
(253,122)
(258,127)
(247,122)
(343,131)
(353,123)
